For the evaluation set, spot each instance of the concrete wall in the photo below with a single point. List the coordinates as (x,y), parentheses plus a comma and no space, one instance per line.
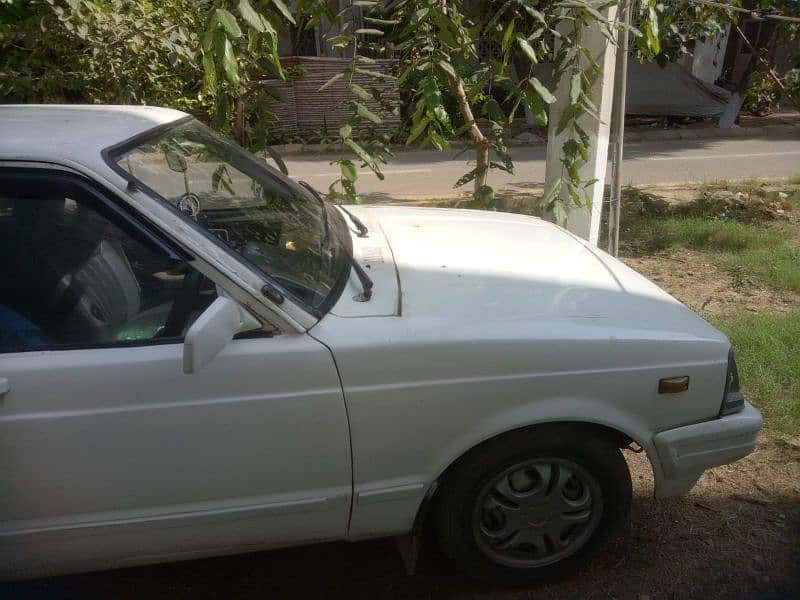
(708,58)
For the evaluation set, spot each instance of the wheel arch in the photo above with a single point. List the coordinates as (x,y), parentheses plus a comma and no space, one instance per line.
(620,437)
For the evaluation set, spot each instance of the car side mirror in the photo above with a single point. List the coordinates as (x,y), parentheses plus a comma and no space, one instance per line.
(212,331)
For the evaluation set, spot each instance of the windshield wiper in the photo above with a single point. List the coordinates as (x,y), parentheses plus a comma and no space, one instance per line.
(366,282)
(326,228)
(362,229)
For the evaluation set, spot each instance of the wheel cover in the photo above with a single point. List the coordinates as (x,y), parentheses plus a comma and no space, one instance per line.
(537,512)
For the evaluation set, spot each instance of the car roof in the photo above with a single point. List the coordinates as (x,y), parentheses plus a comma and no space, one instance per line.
(73,132)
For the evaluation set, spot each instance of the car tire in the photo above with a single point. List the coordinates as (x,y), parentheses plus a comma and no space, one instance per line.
(532,505)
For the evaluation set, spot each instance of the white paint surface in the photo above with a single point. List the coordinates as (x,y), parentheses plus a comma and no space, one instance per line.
(482,323)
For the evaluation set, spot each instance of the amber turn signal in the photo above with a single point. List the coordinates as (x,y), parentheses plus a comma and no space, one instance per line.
(673,385)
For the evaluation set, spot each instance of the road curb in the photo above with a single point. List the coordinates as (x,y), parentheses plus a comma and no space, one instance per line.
(631,136)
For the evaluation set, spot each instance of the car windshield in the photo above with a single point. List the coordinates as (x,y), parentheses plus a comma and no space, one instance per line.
(276,225)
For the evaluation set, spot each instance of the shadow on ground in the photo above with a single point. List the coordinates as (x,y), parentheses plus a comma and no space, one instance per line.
(735,536)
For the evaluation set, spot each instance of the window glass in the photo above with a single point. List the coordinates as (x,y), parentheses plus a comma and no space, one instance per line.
(74,274)
(266,218)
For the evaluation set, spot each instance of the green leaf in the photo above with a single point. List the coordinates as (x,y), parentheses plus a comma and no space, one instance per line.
(386,22)
(348,170)
(330,81)
(543,92)
(208,36)
(220,178)
(209,73)
(466,178)
(228,22)
(559,213)
(526,48)
(418,128)
(441,115)
(572,169)
(570,148)
(651,36)
(509,32)
(360,152)
(287,14)
(345,131)
(251,17)
(445,29)
(340,41)
(364,112)
(551,193)
(585,139)
(584,151)
(374,74)
(360,92)
(367,31)
(278,160)
(535,14)
(229,63)
(447,68)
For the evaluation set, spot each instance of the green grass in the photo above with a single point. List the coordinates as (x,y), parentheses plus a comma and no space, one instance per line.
(755,252)
(777,266)
(699,234)
(767,348)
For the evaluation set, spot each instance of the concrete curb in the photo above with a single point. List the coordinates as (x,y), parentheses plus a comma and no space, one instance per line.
(631,136)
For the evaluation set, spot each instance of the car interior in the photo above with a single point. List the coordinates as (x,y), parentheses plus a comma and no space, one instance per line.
(71,276)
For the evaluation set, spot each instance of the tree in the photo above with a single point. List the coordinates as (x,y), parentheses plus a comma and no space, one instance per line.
(114,52)
(670,28)
(210,57)
(436,43)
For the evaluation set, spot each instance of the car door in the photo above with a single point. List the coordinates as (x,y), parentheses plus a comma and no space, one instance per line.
(109,454)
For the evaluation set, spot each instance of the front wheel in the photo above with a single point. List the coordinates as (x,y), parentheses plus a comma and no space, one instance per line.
(532,504)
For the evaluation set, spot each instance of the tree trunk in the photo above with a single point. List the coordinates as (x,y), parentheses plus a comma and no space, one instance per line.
(731,111)
(479,141)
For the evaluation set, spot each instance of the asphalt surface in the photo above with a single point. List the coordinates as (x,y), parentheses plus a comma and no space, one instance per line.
(430,175)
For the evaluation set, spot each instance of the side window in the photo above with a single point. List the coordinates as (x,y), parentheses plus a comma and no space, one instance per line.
(75,274)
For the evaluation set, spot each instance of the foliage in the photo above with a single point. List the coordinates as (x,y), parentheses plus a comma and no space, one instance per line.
(213,57)
(454,87)
(357,137)
(239,44)
(669,29)
(761,92)
(115,52)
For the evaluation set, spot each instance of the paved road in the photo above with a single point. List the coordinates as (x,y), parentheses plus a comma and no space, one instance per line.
(417,175)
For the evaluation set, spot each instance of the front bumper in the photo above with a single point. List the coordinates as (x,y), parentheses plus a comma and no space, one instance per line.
(685,452)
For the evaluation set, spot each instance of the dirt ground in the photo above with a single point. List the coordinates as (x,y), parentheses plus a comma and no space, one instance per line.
(694,280)
(736,535)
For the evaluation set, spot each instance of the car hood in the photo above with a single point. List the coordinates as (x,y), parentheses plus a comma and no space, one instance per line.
(481,267)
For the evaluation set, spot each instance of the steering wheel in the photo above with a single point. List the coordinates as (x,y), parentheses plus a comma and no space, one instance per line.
(189,204)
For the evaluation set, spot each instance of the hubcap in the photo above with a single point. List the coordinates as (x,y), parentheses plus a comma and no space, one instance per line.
(537,512)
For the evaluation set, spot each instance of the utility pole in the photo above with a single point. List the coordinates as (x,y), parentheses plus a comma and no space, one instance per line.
(618,128)
(581,221)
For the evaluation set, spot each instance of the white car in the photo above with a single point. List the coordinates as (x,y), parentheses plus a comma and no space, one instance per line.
(199,356)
